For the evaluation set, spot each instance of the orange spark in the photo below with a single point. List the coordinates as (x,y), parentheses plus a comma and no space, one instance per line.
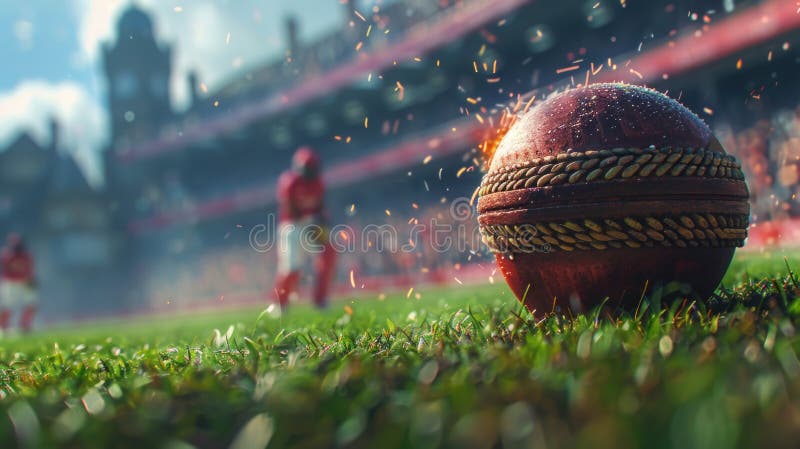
(567,69)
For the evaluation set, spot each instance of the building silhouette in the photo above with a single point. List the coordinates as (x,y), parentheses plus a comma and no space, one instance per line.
(46,198)
(137,70)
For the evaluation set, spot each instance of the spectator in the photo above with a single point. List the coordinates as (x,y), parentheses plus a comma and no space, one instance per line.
(18,287)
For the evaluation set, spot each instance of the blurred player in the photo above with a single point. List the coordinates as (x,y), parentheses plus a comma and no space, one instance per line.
(17,284)
(303,229)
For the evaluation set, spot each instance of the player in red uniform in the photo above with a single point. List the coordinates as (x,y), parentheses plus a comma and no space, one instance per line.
(17,284)
(303,228)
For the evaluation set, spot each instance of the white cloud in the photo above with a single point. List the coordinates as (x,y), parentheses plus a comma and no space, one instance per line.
(31,104)
(202,43)
(96,21)
(24,32)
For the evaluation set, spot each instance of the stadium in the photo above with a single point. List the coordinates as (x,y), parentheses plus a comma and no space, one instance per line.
(157,319)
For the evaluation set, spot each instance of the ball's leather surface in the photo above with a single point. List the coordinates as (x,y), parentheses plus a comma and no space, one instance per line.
(630,160)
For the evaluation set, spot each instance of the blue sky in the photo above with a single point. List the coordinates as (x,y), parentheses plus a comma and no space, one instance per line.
(52,67)
(43,42)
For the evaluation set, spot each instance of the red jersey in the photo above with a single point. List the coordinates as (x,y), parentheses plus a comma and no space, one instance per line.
(299,198)
(16,267)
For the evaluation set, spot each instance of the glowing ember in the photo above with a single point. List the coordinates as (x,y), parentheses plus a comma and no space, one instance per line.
(496,133)
(400,91)
(567,69)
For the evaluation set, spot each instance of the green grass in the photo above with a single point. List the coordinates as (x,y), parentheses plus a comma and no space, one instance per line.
(460,367)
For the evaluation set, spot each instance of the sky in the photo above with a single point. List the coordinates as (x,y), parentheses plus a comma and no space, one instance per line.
(52,49)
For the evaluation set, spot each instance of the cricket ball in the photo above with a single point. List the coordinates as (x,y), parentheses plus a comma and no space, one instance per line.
(611,192)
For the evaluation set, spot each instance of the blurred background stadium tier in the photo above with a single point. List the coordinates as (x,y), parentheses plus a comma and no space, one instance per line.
(396,101)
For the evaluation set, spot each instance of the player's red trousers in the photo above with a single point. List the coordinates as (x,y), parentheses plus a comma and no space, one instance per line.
(286,283)
(324,269)
(26,321)
(5,319)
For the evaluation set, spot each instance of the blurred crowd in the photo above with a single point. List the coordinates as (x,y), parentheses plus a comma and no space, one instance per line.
(769,151)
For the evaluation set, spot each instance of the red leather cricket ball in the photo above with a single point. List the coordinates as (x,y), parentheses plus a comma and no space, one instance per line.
(611,191)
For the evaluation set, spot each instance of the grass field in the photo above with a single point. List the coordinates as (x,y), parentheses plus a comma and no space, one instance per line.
(459,367)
